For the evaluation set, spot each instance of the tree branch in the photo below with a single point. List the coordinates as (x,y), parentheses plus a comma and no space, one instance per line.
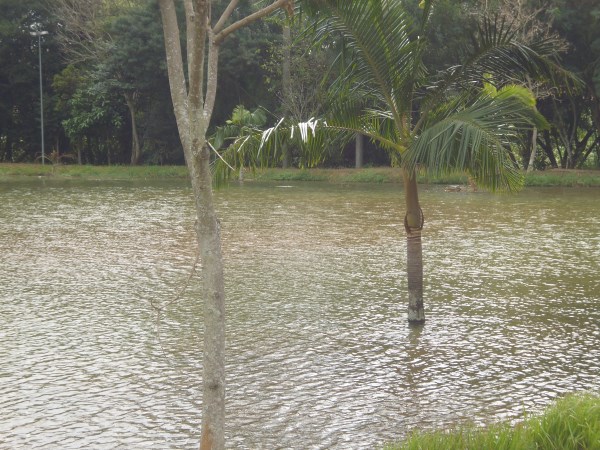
(196,13)
(220,36)
(175,68)
(225,16)
(211,82)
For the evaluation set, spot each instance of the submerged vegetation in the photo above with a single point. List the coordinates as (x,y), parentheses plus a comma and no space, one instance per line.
(572,423)
(567,178)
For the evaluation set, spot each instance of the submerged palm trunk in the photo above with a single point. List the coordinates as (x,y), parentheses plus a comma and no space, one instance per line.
(413,223)
(359,150)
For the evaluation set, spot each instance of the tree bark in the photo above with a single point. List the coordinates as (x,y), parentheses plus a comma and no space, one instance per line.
(193,103)
(286,81)
(135,140)
(413,224)
(209,240)
(533,150)
(193,110)
(359,151)
(548,149)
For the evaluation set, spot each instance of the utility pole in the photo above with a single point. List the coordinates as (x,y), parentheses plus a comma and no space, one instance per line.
(37,32)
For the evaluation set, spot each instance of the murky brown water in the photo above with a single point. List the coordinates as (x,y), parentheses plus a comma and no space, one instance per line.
(319,352)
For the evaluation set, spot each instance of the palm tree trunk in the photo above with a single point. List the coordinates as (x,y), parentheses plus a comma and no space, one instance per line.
(413,223)
(359,151)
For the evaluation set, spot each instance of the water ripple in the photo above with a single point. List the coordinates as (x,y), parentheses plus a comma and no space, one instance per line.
(319,353)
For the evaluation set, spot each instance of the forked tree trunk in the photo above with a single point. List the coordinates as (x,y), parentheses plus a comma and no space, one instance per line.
(193,109)
(193,103)
(413,224)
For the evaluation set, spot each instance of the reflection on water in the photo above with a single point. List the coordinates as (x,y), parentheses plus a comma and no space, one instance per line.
(319,352)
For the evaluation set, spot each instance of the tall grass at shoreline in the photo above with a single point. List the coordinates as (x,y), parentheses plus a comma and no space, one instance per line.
(341,175)
(572,423)
(94,172)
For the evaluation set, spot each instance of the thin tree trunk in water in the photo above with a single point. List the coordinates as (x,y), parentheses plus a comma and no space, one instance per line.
(533,150)
(413,223)
(193,105)
(213,365)
(193,109)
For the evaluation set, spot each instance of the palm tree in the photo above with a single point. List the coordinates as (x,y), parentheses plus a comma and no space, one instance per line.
(242,125)
(463,119)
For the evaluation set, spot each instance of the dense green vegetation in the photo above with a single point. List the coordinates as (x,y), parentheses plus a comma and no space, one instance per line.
(106,97)
(572,423)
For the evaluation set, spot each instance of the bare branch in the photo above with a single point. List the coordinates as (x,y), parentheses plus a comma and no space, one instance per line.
(80,32)
(211,84)
(175,68)
(196,12)
(220,36)
(225,16)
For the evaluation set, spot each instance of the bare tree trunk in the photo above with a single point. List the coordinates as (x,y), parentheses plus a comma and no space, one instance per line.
(546,144)
(286,81)
(193,103)
(135,141)
(533,150)
(534,133)
(413,223)
(209,240)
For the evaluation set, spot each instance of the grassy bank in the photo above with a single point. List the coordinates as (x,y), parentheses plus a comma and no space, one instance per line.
(572,423)
(343,175)
(393,175)
(94,172)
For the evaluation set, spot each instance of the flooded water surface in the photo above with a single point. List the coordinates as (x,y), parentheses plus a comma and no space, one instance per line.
(319,354)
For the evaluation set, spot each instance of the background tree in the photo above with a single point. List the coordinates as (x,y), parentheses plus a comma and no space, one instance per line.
(242,56)
(578,116)
(532,23)
(19,79)
(119,46)
(295,76)
(136,64)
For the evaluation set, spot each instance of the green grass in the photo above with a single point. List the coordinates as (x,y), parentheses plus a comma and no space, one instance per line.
(556,177)
(288,175)
(94,172)
(572,423)
(568,178)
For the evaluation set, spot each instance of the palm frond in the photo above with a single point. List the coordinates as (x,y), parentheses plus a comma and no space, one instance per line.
(497,51)
(385,48)
(313,139)
(477,138)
